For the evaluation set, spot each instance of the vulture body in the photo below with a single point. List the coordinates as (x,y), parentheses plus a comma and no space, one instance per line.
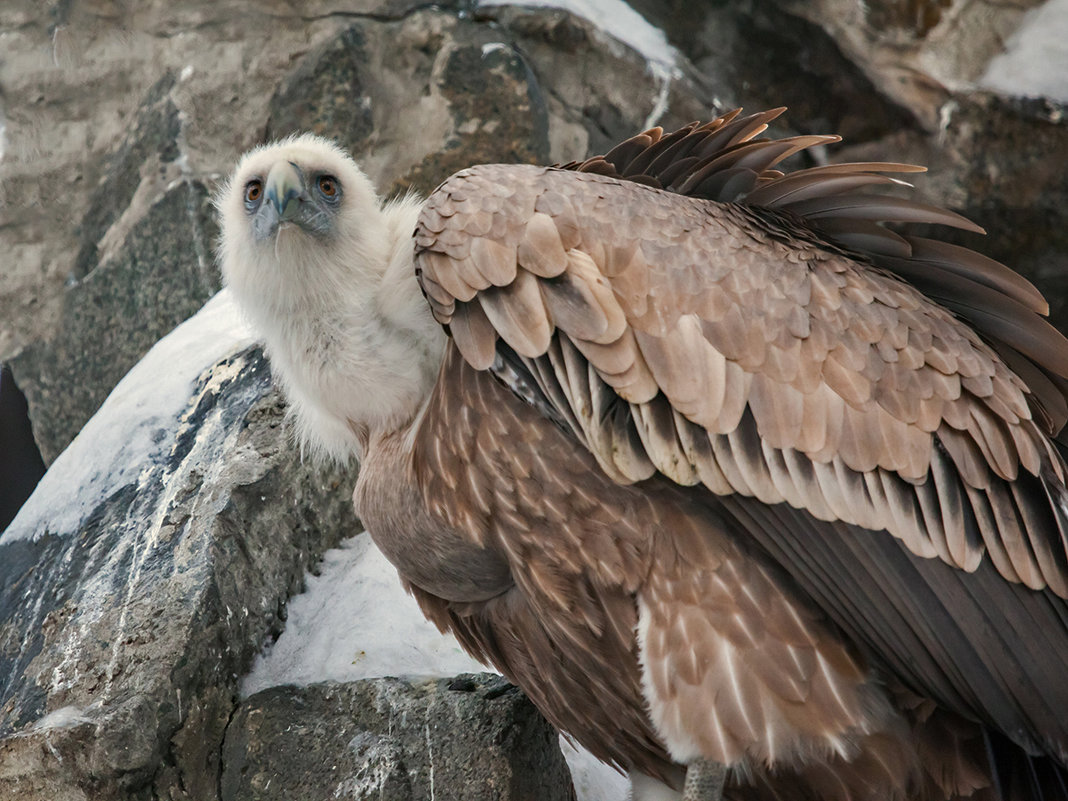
(709,461)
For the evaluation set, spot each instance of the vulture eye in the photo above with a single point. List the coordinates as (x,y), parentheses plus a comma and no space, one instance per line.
(253,193)
(328,186)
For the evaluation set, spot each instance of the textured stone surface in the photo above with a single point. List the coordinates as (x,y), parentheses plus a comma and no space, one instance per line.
(420,97)
(470,738)
(121,642)
(762,55)
(160,274)
(1010,158)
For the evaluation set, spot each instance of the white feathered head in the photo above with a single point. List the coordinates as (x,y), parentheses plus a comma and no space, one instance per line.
(324,272)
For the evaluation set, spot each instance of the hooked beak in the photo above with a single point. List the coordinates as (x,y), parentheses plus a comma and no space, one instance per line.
(285,190)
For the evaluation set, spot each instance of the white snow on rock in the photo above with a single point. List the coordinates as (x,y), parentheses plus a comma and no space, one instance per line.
(65,718)
(354,621)
(117,443)
(594,780)
(617,19)
(1035,61)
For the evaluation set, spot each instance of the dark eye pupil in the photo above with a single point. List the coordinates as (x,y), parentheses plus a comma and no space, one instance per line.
(252,191)
(327,186)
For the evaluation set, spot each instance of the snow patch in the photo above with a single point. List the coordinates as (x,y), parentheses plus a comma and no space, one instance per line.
(108,453)
(491,47)
(593,780)
(64,718)
(354,621)
(1035,61)
(616,18)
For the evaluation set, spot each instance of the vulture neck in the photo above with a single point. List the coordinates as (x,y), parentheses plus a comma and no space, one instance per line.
(357,348)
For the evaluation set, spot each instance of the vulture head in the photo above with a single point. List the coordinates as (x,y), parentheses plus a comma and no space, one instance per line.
(319,265)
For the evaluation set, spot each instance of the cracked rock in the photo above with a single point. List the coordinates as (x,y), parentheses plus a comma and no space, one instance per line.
(148,568)
(162,273)
(473,738)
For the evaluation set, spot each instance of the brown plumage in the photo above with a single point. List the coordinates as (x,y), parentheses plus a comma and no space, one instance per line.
(764,348)
(717,466)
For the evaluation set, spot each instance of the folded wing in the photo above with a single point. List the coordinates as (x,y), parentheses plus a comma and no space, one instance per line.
(874,410)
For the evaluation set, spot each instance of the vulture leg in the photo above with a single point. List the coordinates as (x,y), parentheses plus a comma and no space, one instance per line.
(704,781)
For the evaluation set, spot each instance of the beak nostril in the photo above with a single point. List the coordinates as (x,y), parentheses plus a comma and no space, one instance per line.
(287,205)
(285,190)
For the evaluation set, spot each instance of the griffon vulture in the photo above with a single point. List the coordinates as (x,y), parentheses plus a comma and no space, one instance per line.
(712,464)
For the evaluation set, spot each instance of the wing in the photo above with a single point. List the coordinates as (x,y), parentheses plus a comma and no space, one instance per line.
(761,338)
(581,549)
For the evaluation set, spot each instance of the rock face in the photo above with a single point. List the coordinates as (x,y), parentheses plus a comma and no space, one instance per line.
(469,738)
(157,556)
(161,275)
(130,610)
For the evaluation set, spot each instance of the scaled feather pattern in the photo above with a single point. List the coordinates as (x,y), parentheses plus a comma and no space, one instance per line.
(706,458)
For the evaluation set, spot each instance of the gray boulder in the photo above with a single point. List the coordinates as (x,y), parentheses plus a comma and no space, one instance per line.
(145,572)
(469,738)
(159,276)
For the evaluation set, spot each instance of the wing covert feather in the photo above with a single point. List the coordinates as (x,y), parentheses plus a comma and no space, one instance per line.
(726,316)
